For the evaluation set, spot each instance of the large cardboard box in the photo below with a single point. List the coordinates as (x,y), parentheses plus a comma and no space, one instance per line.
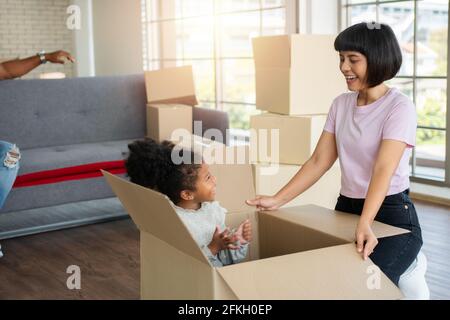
(297,74)
(296,253)
(171,86)
(164,119)
(170,96)
(269,179)
(285,139)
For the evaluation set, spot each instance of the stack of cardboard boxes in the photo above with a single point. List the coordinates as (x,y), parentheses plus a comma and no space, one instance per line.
(170,99)
(297,78)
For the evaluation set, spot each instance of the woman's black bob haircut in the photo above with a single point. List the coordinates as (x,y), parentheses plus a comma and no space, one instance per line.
(377,42)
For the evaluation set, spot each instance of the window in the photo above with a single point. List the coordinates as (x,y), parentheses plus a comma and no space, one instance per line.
(421,28)
(214,36)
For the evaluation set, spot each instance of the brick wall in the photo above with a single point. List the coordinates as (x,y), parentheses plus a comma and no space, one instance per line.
(28,26)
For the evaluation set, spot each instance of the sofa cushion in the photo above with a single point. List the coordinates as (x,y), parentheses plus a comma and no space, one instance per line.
(43,159)
(55,194)
(50,158)
(42,113)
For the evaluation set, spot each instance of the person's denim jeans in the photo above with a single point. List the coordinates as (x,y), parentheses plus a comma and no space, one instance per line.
(393,255)
(9,166)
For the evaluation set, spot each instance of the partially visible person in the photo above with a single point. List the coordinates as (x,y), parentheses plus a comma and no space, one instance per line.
(18,67)
(9,166)
(9,153)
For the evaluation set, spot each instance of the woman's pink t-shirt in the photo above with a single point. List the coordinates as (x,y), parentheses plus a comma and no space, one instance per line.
(359,132)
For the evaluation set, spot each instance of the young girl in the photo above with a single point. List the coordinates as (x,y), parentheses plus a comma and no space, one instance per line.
(372,130)
(191,189)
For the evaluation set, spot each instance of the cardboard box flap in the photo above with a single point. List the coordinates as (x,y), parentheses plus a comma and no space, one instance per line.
(186,100)
(339,224)
(171,85)
(234,186)
(272,51)
(331,273)
(172,106)
(152,213)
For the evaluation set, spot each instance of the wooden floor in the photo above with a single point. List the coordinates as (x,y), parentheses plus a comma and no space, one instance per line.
(34,267)
(435,222)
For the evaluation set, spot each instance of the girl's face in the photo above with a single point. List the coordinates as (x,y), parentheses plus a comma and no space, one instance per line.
(206,185)
(353,66)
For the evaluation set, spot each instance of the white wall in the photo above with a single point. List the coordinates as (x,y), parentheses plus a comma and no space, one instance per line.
(27,27)
(117,37)
(83,41)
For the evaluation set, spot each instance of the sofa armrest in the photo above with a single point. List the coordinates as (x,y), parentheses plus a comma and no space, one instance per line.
(212,119)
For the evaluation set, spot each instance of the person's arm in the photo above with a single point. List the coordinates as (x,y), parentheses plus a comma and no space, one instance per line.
(243,236)
(19,67)
(323,158)
(233,256)
(221,240)
(388,159)
(321,161)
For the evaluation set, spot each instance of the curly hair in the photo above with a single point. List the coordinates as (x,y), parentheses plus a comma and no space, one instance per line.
(150,165)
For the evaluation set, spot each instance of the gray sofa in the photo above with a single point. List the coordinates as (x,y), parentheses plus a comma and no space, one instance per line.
(71,122)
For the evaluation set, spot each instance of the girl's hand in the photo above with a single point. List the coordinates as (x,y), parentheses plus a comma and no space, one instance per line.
(244,232)
(265,202)
(366,240)
(222,240)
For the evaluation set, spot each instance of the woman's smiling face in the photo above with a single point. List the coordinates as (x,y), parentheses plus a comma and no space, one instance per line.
(353,66)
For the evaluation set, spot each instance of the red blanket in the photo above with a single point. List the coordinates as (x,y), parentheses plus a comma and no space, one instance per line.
(85,171)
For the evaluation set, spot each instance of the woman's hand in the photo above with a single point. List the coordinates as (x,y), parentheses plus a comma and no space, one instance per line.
(366,241)
(265,202)
(244,232)
(222,240)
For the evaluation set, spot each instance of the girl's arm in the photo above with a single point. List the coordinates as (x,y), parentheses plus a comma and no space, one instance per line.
(217,250)
(389,156)
(243,236)
(324,156)
(233,256)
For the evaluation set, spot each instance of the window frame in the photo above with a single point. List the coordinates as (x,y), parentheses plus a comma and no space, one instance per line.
(291,26)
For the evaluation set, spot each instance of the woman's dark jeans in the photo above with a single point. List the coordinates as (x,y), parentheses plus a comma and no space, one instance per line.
(393,255)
